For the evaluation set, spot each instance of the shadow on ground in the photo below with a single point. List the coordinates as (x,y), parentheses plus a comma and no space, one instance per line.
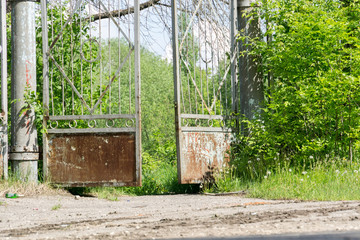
(314,236)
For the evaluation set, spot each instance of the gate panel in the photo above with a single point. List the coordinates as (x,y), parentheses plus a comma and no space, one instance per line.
(94,158)
(204,76)
(4,99)
(92,93)
(202,151)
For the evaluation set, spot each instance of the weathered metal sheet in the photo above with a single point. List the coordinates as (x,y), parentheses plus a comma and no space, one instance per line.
(91,160)
(205,85)
(202,153)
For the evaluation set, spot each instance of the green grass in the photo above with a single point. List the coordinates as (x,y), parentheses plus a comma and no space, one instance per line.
(56,207)
(323,182)
(320,183)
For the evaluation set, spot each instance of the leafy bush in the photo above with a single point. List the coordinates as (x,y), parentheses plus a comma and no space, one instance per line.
(312,70)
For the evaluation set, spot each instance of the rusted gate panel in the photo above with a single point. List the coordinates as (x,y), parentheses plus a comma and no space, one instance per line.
(90,160)
(4,101)
(204,60)
(92,93)
(202,153)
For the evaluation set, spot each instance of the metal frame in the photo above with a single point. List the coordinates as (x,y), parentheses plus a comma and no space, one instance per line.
(234,65)
(205,135)
(4,100)
(49,119)
(176,73)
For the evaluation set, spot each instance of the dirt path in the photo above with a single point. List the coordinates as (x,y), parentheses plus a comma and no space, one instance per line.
(175,216)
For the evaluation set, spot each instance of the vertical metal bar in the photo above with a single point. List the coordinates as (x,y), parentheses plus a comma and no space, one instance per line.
(176,73)
(62,61)
(81,61)
(137,89)
(219,77)
(109,52)
(24,152)
(212,65)
(45,82)
(119,59)
(129,60)
(4,100)
(233,50)
(185,40)
(72,61)
(91,65)
(194,68)
(51,75)
(101,67)
(200,68)
(180,80)
(206,64)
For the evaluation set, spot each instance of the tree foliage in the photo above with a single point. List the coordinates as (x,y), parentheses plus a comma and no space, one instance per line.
(312,66)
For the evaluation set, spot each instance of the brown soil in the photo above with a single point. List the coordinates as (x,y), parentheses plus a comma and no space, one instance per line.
(174,216)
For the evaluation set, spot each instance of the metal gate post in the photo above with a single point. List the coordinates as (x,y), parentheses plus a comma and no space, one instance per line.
(176,73)
(251,84)
(4,100)
(137,89)
(45,82)
(24,151)
(234,63)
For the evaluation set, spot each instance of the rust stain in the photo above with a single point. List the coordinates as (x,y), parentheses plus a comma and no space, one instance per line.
(28,66)
(255,203)
(202,152)
(92,160)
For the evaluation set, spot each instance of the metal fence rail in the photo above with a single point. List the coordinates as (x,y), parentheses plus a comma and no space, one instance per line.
(4,100)
(92,75)
(204,75)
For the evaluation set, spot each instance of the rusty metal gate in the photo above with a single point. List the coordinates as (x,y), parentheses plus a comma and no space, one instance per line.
(205,82)
(4,99)
(91,92)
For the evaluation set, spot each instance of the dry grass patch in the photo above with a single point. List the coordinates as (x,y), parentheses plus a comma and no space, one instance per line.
(29,189)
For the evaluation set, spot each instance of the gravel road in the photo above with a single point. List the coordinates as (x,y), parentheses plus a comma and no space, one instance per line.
(170,217)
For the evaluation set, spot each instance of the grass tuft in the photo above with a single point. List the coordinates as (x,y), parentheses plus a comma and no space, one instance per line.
(28,189)
(56,207)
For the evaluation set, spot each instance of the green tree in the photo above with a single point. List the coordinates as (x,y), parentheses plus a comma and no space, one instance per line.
(312,110)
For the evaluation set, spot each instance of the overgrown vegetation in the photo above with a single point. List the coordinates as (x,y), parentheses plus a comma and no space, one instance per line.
(306,142)
(312,106)
(310,120)
(325,181)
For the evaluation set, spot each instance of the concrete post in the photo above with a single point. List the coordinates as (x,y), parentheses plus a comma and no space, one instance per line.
(251,83)
(24,150)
